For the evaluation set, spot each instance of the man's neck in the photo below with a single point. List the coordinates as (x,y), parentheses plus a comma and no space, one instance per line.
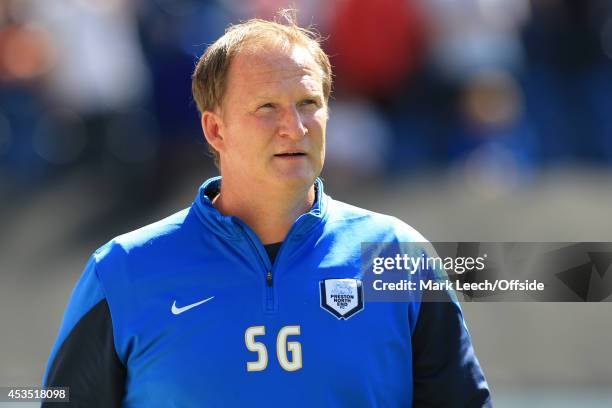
(269,213)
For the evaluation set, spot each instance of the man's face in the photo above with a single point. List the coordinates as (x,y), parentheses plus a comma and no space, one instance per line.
(273,118)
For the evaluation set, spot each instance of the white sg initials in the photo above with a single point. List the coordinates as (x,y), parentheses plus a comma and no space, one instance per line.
(282,346)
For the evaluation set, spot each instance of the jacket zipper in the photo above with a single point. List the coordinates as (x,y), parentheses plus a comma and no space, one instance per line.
(269,269)
(265,262)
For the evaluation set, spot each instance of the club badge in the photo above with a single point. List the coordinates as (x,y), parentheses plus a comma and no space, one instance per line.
(341,297)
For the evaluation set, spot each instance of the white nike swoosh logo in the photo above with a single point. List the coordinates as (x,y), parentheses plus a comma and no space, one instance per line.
(178,310)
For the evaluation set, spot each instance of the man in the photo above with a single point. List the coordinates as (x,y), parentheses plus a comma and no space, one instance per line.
(253,295)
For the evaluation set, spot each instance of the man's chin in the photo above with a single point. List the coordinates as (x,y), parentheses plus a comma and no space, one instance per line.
(293,179)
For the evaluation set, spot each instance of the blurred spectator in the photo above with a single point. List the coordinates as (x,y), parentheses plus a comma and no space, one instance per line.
(471,35)
(491,109)
(26,55)
(174,34)
(358,141)
(96,94)
(569,78)
(493,136)
(100,67)
(375,46)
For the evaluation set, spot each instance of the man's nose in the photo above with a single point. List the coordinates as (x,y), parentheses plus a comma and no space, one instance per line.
(292,124)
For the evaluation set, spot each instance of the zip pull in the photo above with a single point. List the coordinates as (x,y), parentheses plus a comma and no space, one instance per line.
(269,278)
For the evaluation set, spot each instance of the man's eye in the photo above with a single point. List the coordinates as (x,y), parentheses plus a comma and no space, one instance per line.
(309,102)
(266,106)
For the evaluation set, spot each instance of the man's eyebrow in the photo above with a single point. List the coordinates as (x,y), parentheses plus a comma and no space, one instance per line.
(314,94)
(261,99)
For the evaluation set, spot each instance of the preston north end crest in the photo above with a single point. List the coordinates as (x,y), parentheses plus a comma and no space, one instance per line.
(341,297)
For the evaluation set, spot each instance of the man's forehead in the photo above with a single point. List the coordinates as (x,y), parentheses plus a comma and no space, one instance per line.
(259,63)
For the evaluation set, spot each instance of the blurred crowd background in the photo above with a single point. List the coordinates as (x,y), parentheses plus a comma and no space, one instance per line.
(497,87)
(470,119)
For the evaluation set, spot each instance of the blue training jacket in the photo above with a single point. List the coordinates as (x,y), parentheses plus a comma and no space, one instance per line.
(191,312)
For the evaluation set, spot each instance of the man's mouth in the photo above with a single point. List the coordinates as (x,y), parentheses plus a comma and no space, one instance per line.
(290,154)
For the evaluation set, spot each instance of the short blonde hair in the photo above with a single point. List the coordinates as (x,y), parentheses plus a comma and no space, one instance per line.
(209,79)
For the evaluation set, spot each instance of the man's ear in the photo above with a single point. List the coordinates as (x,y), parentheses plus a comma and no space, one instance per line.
(212,126)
